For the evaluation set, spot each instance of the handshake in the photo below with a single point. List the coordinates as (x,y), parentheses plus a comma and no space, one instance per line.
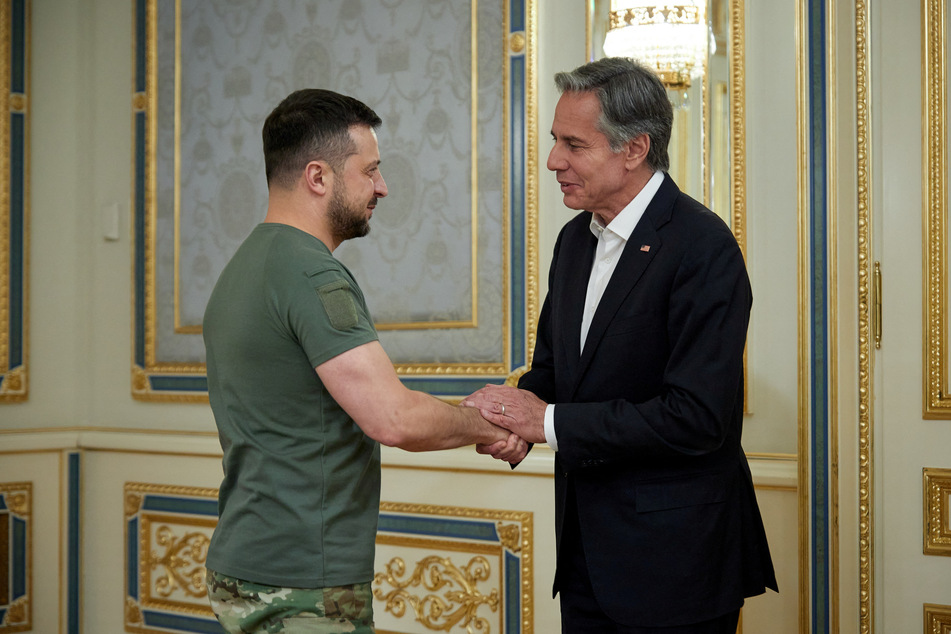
(519,412)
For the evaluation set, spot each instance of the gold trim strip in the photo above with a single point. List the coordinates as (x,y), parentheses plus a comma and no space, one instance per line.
(491,472)
(440,544)
(5,147)
(772,456)
(532,282)
(178,327)
(937,404)
(865,432)
(802,203)
(833,312)
(737,89)
(15,381)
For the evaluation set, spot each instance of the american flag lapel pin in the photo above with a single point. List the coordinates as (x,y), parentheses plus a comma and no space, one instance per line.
(645,248)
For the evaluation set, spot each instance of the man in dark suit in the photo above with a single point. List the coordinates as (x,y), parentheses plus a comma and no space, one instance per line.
(637,378)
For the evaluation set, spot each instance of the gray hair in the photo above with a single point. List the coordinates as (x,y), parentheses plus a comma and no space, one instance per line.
(633,102)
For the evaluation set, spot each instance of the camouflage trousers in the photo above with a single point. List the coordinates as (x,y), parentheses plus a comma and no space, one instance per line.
(243,607)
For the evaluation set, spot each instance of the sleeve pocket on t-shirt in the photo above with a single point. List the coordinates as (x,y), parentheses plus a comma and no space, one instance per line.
(338,302)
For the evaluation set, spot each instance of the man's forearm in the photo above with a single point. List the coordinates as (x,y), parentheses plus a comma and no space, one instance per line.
(428,424)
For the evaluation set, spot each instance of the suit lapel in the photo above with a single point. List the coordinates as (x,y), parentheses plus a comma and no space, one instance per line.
(641,248)
(574,291)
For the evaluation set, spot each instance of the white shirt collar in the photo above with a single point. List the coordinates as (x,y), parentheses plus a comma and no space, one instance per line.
(623,224)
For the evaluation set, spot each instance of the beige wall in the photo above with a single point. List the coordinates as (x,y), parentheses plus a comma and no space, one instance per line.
(81,313)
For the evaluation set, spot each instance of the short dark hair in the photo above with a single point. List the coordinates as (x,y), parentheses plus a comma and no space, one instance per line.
(633,102)
(311,124)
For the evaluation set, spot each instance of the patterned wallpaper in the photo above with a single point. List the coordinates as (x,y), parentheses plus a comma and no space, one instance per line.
(432,267)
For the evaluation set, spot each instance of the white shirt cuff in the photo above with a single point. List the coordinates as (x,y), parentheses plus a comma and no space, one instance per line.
(550,437)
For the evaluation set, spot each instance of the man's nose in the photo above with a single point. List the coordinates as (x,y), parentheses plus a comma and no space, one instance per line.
(555,161)
(379,189)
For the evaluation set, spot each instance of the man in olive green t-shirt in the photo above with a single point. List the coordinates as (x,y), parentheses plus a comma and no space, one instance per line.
(302,391)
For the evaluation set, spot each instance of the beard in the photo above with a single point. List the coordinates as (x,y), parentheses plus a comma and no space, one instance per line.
(347,220)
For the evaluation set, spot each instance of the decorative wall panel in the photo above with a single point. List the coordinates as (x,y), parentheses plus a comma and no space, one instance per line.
(438,568)
(452,569)
(445,268)
(14,198)
(167,534)
(16,557)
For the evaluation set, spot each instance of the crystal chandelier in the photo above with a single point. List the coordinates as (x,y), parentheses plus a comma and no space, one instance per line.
(672,38)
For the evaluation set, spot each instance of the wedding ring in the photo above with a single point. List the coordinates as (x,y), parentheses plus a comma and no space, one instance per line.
(503,408)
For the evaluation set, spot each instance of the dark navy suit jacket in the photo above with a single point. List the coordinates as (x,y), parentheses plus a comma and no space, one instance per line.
(648,417)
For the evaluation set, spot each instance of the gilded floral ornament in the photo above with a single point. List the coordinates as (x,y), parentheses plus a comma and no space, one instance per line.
(16,613)
(133,501)
(511,536)
(18,503)
(183,563)
(13,382)
(133,613)
(460,599)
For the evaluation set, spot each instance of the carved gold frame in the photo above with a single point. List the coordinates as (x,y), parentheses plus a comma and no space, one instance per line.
(936,521)
(937,402)
(16,498)
(179,509)
(937,619)
(863,170)
(14,199)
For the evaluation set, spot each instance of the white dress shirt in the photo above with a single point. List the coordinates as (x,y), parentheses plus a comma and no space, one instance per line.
(611,242)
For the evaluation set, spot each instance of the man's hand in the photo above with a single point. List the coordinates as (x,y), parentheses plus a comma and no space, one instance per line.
(518,411)
(512,450)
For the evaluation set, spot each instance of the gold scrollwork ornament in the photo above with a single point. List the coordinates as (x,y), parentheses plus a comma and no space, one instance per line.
(133,613)
(456,607)
(16,612)
(511,536)
(183,563)
(18,503)
(133,502)
(13,382)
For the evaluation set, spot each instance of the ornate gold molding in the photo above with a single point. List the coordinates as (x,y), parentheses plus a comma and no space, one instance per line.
(14,186)
(532,279)
(439,591)
(936,494)
(738,120)
(863,196)
(460,598)
(17,617)
(17,499)
(170,538)
(937,619)
(937,403)
(182,563)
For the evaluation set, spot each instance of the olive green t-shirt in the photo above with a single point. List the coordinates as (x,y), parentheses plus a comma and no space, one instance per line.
(299,502)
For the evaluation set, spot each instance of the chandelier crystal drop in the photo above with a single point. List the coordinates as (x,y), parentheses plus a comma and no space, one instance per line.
(672,38)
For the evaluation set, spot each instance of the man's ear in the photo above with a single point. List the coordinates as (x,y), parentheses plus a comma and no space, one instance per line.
(636,150)
(318,177)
